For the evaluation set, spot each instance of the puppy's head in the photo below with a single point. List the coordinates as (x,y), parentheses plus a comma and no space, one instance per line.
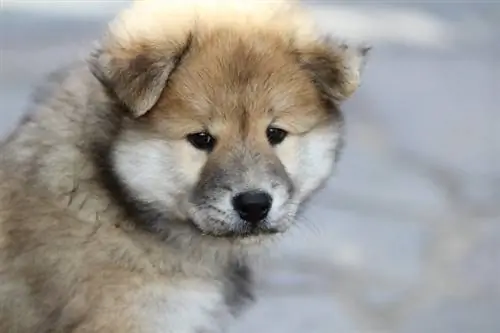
(231,115)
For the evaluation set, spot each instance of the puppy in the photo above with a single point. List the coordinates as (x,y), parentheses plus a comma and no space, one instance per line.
(135,194)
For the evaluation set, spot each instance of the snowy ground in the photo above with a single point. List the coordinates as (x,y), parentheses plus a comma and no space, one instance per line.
(406,236)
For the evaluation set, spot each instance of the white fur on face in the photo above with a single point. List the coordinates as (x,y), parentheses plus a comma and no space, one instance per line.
(309,159)
(157,171)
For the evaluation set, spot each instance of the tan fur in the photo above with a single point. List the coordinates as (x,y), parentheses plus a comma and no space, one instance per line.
(73,258)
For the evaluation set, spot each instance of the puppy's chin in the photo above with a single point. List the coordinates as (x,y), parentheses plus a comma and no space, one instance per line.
(243,232)
(240,230)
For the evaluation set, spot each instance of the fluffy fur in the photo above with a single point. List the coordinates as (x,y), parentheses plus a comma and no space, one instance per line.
(110,219)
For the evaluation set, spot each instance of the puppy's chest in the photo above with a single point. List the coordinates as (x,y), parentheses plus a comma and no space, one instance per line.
(197,306)
(185,309)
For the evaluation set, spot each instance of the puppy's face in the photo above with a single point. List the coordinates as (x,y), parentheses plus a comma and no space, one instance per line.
(242,132)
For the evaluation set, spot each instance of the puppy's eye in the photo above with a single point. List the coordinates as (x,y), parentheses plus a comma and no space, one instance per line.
(275,135)
(202,141)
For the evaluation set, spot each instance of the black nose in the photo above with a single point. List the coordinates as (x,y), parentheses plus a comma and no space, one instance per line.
(252,206)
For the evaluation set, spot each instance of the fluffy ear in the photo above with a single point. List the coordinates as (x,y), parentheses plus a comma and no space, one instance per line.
(335,68)
(136,75)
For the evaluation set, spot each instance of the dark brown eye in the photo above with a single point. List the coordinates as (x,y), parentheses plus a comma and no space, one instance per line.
(275,135)
(202,141)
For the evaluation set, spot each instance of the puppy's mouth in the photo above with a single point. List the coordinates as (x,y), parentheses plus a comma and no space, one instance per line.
(252,231)
(240,232)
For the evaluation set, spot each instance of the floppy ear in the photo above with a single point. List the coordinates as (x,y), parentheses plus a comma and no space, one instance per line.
(136,76)
(334,68)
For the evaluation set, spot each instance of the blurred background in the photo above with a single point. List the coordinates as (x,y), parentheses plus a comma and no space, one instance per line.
(406,236)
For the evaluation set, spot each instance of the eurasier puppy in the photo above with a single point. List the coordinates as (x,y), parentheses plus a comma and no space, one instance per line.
(134,196)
